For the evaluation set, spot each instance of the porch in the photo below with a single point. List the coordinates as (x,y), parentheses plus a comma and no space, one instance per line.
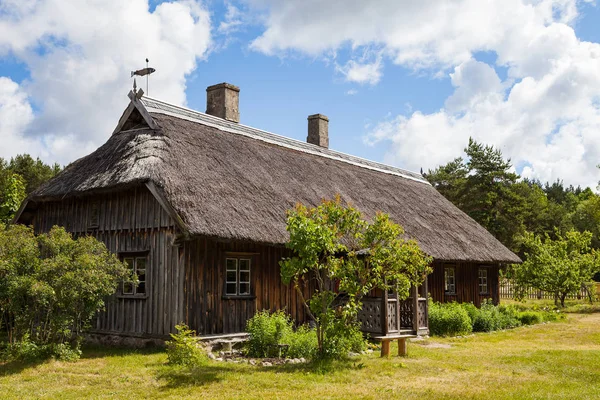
(385,318)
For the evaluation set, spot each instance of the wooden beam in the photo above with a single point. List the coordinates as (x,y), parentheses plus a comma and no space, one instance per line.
(402,350)
(160,197)
(415,298)
(385,348)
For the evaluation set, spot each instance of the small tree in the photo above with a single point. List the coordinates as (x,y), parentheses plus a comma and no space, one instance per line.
(334,246)
(560,266)
(52,285)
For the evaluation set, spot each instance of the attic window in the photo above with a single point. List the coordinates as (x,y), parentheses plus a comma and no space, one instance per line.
(94,217)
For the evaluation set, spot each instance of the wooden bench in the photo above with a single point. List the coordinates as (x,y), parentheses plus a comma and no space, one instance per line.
(385,343)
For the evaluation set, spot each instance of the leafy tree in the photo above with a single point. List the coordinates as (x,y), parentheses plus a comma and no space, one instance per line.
(12,195)
(34,172)
(558,266)
(52,285)
(333,246)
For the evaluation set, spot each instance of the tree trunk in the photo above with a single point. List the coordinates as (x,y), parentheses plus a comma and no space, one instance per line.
(563,296)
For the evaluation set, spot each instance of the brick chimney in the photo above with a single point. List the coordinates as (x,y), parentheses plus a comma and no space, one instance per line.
(318,130)
(223,100)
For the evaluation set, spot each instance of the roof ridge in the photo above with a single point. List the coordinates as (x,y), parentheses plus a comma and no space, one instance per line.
(161,107)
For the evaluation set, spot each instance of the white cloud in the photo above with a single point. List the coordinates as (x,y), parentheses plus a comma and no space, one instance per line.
(80,55)
(357,72)
(545,114)
(351,92)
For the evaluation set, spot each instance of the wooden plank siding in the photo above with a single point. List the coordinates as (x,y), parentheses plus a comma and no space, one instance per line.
(467,283)
(129,221)
(186,282)
(207,308)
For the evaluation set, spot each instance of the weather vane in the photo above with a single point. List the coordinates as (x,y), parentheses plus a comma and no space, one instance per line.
(143,72)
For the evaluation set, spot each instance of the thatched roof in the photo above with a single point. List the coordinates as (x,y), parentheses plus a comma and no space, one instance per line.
(231,181)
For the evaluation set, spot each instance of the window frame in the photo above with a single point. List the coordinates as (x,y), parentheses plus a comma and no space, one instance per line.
(135,257)
(453,284)
(487,281)
(94,216)
(238,281)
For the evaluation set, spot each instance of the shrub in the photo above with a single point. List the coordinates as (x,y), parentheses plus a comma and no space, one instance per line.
(509,317)
(302,343)
(530,317)
(448,319)
(184,348)
(266,331)
(340,339)
(27,350)
(51,286)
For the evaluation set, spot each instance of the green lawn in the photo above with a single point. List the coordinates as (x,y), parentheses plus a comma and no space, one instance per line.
(551,361)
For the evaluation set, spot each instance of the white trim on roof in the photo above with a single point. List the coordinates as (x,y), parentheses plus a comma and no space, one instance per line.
(160,107)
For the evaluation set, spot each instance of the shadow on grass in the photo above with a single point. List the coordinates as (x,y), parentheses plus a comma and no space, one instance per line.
(96,351)
(192,376)
(16,367)
(213,371)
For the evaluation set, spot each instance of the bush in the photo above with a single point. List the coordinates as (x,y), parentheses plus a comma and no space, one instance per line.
(184,348)
(340,339)
(51,287)
(302,343)
(530,317)
(27,350)
(448,319)
(509,317)
(266,332)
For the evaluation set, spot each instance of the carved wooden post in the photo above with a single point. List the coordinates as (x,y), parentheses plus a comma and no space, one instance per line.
(384,312)
(415,297)
(426,290)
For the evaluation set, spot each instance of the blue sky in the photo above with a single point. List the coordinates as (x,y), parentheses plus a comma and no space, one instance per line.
(401,83)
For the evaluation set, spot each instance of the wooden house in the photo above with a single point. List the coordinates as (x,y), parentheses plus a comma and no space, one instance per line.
(196,204)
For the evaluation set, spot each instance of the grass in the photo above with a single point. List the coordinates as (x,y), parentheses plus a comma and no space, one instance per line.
(549,361)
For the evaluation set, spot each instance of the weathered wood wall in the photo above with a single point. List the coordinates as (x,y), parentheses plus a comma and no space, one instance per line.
(129,221)
(208,311)
(467,283)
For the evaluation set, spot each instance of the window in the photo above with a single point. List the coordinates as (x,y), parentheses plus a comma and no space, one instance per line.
(137,265)
(94,220)
(449,281)
(237,277)
(483,281)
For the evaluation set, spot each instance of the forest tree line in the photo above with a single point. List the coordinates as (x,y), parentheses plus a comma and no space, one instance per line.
(484,185)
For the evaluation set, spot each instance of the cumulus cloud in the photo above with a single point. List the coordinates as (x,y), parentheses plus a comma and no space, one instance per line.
(357,72)
(544,114)
(80,55)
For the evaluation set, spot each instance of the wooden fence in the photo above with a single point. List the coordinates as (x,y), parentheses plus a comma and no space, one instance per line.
(507,291)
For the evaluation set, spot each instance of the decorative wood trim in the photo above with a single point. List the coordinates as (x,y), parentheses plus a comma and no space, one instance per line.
(135,104)
(20,211)
(159,196)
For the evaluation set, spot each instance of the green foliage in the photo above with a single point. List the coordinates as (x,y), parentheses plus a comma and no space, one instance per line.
(530,317)
(558,266)
(458,319)
(12,194)
(25,349)
(483,186)
(52,285)
(302,343)
(448,319)
(184,349)
(266,331)
(34,172)
(480,185)
(332,245)
(269,330)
